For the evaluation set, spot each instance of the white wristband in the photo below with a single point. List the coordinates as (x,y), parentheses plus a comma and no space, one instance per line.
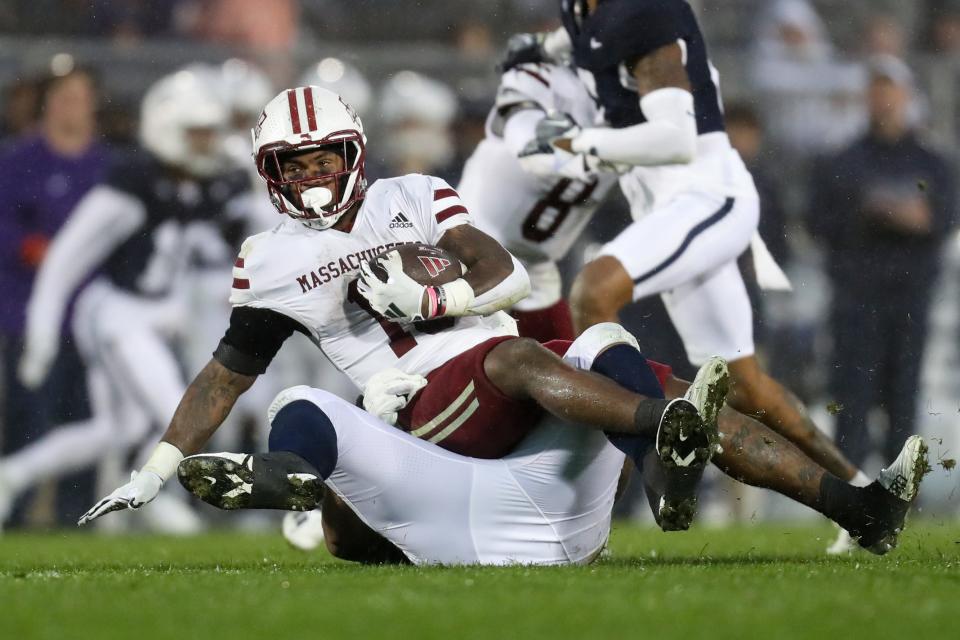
(164,460)
(459,296)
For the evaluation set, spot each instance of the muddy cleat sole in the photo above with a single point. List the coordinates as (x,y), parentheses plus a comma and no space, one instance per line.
(899,485)
(684,447)
(279,480)
(708,393)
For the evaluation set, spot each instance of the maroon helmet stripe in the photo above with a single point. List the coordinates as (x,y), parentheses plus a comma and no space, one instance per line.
(311,116)
(241,283)
(449,212)
(294,109)
(440,194)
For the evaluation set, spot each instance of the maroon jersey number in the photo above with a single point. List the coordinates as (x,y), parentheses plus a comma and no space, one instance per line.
(540,225)
(401,341)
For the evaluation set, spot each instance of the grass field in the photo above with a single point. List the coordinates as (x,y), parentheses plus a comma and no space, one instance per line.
(758,582)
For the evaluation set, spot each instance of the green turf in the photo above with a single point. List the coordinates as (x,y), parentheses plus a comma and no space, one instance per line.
(758,582)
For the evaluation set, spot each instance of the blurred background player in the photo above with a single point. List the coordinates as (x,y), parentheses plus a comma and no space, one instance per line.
(415,112)
(881,208)
(141,231)
(43,175)
(534,201)
(694,203)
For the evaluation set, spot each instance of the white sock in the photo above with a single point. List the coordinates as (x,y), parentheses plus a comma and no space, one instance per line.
(861,479)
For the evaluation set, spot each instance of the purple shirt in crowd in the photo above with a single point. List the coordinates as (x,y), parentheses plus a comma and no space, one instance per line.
(38,190)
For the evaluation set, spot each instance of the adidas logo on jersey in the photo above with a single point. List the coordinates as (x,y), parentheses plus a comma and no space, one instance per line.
(400,221)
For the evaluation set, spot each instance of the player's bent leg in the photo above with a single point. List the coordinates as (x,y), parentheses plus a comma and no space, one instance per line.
(684,240)
(756,455)
(411,492)
(522,369)
(713,316)
(599,291)
(757,394)
(684,442)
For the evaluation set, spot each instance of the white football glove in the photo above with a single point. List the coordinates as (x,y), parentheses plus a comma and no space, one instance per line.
(400,297)
(142,488)
(389,391)
(39,352)
(542,158)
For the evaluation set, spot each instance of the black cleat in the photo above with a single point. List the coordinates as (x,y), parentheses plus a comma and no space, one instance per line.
(686,441)
(280,480)
(892,493)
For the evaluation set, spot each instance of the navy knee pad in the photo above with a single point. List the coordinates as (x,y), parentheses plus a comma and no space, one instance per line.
(628,367)
(302,427)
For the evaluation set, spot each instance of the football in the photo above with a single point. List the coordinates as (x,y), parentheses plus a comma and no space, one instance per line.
(426,264)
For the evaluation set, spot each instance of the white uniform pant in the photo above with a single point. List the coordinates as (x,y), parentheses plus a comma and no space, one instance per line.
(687,251)
(133,379)
(548,502)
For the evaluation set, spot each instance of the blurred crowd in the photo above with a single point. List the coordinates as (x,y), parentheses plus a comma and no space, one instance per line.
(832,104)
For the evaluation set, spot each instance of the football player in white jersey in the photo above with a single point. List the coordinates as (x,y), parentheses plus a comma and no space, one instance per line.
(535,203)
(474,387)
(694,203)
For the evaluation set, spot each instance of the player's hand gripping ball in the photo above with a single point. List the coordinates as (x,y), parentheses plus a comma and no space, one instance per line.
(405,283)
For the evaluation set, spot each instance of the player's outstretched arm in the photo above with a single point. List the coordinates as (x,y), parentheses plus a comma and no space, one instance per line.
(669,136)
(102,220)
(205,405)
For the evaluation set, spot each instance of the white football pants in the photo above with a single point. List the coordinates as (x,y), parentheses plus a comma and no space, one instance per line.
(548,502)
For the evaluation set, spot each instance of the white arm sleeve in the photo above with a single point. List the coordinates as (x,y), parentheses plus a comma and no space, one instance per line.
(669,136)
(521,128)
(101,220)
(505,294)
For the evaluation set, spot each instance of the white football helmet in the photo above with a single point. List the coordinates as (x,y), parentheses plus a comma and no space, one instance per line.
(244,87)
(409,95)
(303,119)
(173,106)
(342,78)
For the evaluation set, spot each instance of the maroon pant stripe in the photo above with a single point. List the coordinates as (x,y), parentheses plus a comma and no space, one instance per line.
(241,283)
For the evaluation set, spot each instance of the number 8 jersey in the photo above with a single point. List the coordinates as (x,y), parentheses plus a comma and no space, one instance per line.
(304,279)
(537,218)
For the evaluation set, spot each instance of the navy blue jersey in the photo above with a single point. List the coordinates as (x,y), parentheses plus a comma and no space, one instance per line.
(144,262)
(619,32)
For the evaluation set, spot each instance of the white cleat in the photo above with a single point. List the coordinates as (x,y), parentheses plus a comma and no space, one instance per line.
(899,484)
(843,544)
(303,529)
(708,392)
(902,478)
